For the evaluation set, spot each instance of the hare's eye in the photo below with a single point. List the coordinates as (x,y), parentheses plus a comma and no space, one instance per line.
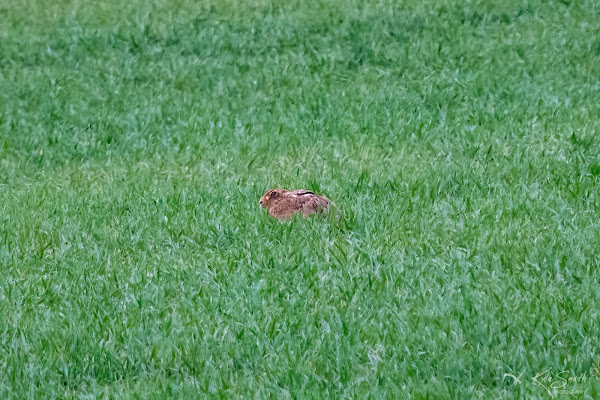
(273,194)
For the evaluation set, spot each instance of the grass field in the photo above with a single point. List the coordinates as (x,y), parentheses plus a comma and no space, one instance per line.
(460,141)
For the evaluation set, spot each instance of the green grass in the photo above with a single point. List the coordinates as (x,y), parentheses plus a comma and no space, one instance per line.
(460,141)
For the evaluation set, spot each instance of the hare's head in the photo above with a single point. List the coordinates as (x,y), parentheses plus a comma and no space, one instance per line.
(270,196)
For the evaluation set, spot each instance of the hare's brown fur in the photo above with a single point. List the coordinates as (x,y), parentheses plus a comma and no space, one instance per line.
(282,204)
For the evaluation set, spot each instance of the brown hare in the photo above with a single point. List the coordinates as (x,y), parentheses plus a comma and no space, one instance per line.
(282,204)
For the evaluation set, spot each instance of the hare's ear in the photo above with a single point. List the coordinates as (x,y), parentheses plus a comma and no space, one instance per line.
(273,194)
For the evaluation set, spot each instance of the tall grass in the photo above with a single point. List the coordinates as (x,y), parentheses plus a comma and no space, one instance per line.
(459,141)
